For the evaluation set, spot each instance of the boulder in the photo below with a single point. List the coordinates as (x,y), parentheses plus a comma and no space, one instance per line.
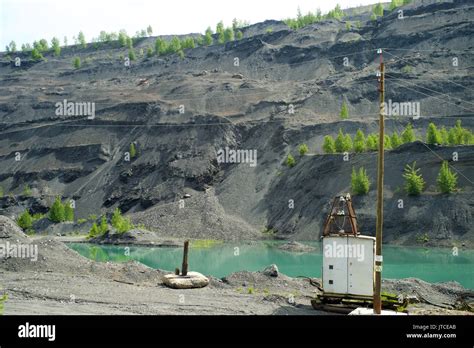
(192,280)
(271,271)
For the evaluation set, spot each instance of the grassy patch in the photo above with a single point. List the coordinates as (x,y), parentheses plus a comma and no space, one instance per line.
(204,243)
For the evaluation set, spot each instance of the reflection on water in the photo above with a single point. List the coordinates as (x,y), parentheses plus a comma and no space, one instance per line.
(429,264)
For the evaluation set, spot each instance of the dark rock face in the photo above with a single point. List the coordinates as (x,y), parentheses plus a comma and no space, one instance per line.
(286,90)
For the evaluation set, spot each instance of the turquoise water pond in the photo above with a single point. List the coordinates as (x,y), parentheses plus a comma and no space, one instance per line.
(429,264)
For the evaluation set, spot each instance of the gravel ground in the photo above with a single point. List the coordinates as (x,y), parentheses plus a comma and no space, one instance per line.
(63,282)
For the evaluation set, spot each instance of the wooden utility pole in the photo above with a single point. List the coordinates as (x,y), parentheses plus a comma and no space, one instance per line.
(184,267)
(380,173)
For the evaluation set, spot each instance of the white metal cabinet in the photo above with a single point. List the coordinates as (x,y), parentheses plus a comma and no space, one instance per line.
(348,265)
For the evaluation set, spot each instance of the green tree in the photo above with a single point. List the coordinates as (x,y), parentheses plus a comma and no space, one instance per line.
(447,180)
(175,45)
(122,38)
(348,25)
(432,135)
(414,183)
(188,43)
(229,35)
(443,133)
(395,3)
(129,43)
(56,46)
(396,141)
(387,142)
(11,48)
(372,142)
(161,47)
(149,30)
(57,213)
(76,62)
(82,39)
(120,223)
(343,142)
(104,227)
(373,17)
(25,220)
(329,145)
(303,149)
(344,111)
(131,54)
(94,231)
(239,35)
(36,54)
(360,182)
(290,161)
(408,134)
(68,211)
(149,52)
(208,37)
(378,10)
(220,27)
(359,142)
(1,192)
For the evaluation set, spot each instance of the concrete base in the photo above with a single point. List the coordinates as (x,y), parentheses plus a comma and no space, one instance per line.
(192,280)
(370,311)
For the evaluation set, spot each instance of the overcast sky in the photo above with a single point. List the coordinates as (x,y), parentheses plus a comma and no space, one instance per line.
(28,20)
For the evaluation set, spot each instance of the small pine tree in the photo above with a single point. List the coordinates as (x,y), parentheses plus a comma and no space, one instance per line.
(443,133)
(149,30)
(36,54)
(378,10)
(133,150)
(116,218)
(239,35)
(103,225)
(408,134)
(372,142)
(94,231)
(359,141)
(55,44)
(340,142)
(303,149)
(181,54)
(149,52)
(396,141)
(56,213)
(414,183)
(1,192)
(229,35)
(387,142)
(76,62)
(347,143)
(360,182)
(122,39)
(208,37)
(447,180)
(68,212)
(329,145)
(175,45)
(131,54)
(82,39)
(432,135)
(25,220)
(344,111)
(290,161)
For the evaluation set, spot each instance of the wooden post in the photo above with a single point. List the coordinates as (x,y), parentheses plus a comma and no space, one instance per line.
(380,173)
(184,267)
